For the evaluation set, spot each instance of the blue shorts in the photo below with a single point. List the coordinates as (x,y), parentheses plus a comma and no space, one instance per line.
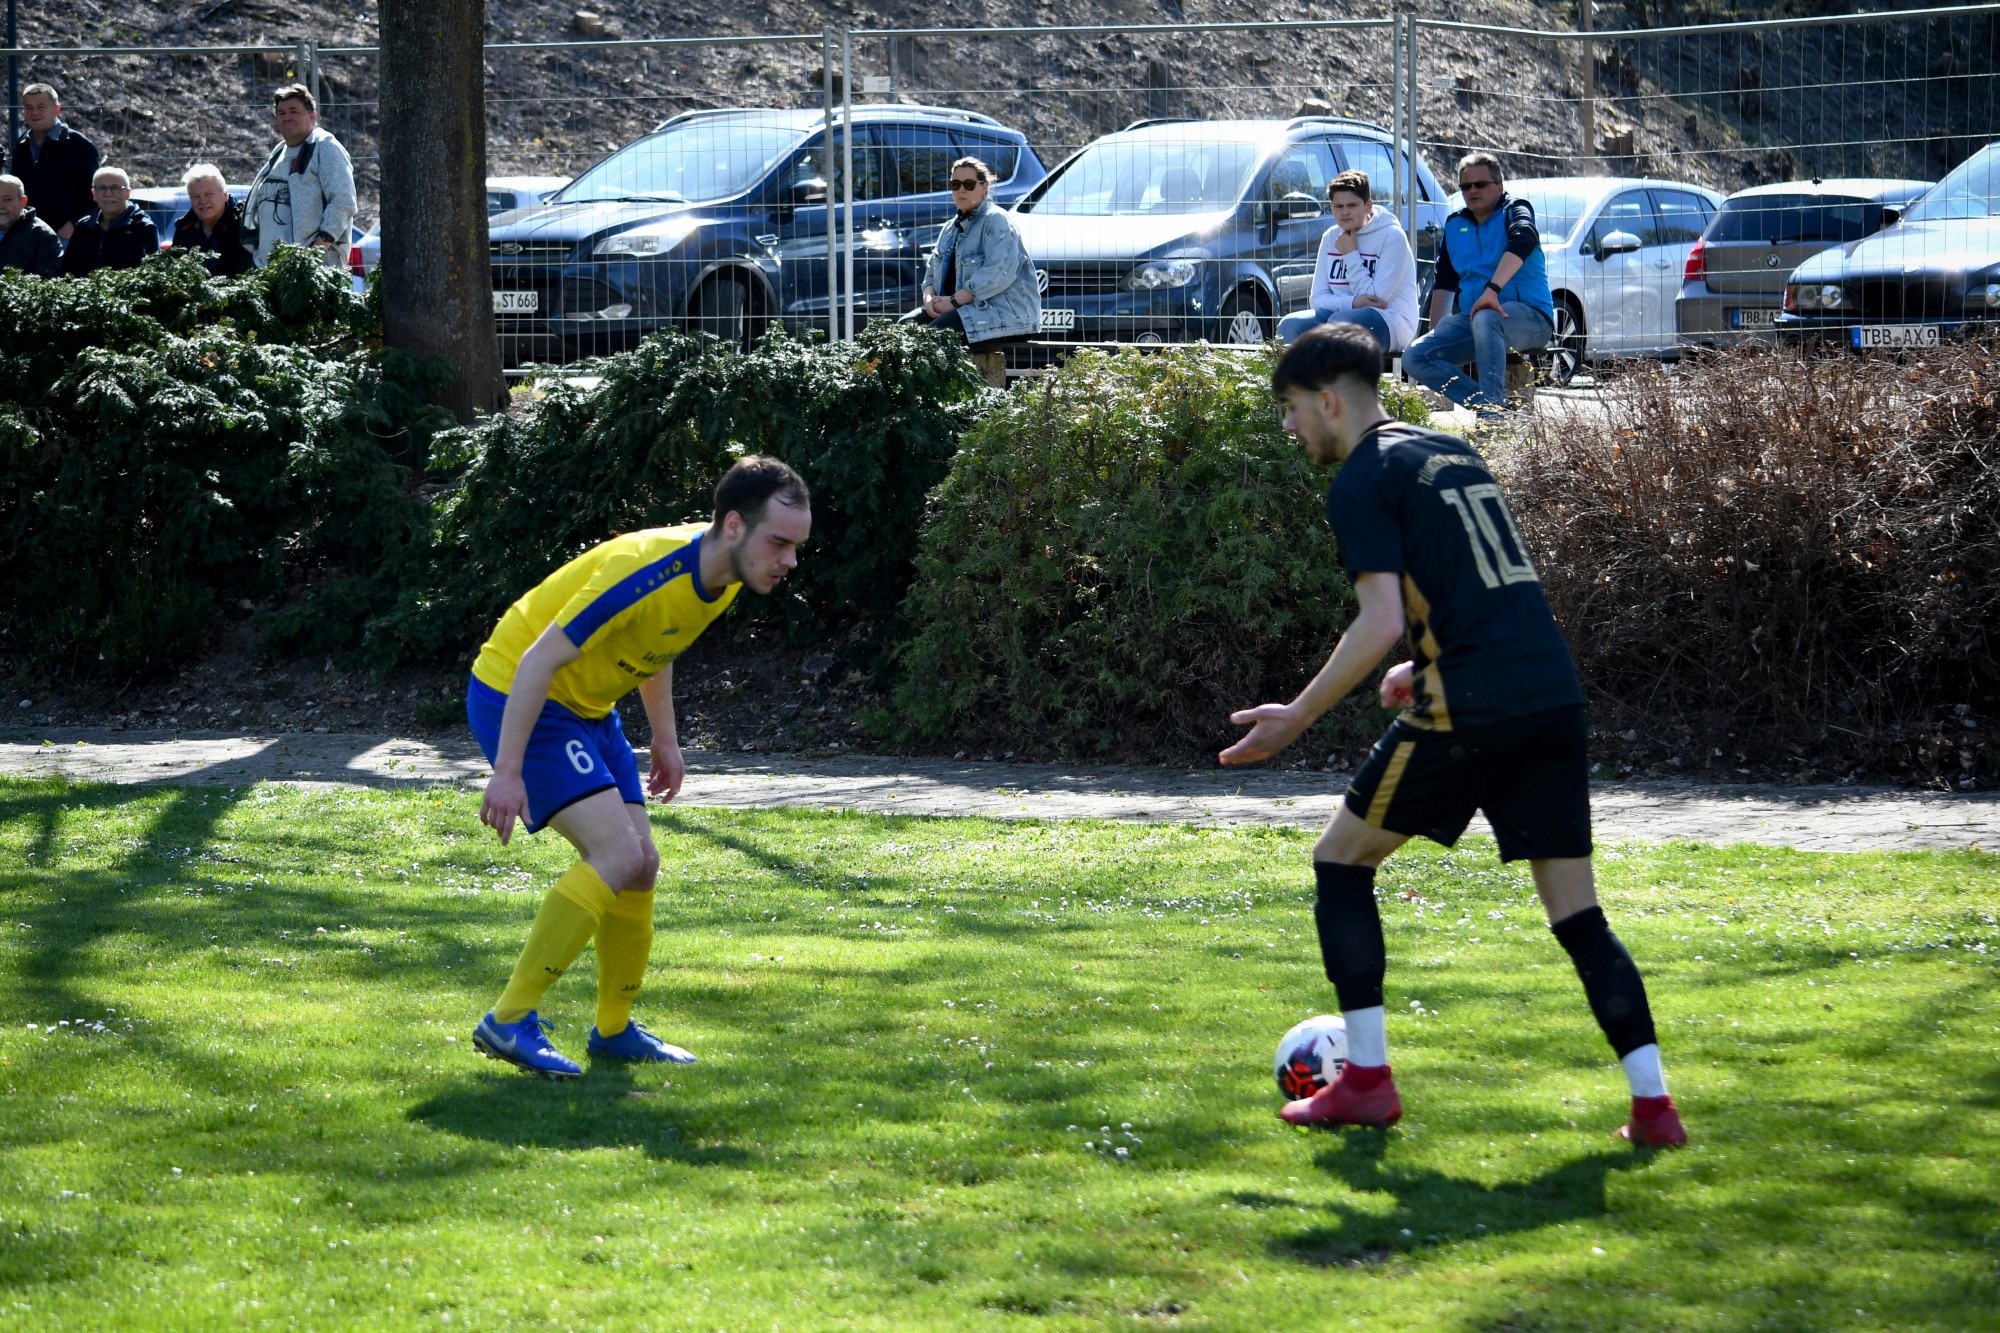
(568,757)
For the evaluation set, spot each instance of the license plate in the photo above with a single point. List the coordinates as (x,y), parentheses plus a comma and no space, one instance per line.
(1053,320)
(516,303)
(1868,336)
(1762,317)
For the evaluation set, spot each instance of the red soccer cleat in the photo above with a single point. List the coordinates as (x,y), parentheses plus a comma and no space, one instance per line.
(1654,1124)
(1346,1102)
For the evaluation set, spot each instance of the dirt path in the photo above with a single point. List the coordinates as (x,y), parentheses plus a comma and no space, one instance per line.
(1835,819)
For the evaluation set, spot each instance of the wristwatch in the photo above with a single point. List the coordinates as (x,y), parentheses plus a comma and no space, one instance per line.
(1493,287)
(955,302)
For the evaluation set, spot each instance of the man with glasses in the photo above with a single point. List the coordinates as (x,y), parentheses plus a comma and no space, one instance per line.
(1491,247)
(117,235)
(980,282)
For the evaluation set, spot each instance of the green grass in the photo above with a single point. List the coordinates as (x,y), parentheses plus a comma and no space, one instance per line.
(264,1109)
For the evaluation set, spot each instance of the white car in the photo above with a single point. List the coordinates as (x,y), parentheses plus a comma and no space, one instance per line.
(504,194)
(1616,248)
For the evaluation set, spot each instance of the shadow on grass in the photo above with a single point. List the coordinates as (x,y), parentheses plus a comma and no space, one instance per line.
(1431,1208)
(606,1108)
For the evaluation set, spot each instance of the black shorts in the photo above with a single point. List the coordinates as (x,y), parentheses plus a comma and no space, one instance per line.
(1530,775)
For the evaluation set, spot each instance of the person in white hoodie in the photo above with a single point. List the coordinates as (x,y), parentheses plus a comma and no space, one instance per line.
(1366,275)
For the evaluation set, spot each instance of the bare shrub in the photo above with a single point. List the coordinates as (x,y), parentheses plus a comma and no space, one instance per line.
(1794,559)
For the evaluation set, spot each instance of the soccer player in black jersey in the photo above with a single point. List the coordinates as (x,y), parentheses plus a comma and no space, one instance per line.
(1492,719)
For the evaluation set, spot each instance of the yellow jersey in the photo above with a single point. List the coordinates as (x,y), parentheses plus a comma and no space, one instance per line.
(631,606)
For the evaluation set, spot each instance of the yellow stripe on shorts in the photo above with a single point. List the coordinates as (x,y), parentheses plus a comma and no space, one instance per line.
(1385,790)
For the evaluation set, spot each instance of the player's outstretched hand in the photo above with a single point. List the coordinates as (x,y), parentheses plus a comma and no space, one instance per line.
(1399,685)
(668,772)
(1274,728)
(506,801)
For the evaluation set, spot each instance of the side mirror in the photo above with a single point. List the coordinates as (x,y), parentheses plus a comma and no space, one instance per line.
(811,190)
(1891,214)
(1617,243)
(1297,205)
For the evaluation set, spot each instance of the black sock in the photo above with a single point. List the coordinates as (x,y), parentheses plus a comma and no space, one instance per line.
(1350,933)
(1610,979)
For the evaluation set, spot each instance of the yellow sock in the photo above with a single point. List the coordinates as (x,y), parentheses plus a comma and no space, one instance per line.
(624,944)
(568,919)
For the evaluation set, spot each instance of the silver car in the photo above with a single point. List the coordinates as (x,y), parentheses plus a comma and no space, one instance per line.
(1734,286)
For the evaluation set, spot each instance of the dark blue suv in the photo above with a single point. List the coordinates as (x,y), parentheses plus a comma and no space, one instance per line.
(1179,231)
(718,220)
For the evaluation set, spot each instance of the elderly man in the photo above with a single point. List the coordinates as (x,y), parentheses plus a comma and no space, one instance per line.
(54,162)
(117,235)
(304,195)
(213,224)
(26,242)
(1491,247)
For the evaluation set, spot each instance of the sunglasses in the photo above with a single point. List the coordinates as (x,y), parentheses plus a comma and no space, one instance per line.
(1477,185)
(967,185)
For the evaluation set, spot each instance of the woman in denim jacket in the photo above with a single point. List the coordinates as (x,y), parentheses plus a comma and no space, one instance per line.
(980,281)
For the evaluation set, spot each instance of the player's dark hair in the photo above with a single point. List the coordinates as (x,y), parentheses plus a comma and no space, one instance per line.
(752,483)
(1323,357)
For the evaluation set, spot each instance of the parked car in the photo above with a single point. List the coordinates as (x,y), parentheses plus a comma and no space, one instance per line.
(718,220)
(1182,230)
(168,204)
(1616,248)
(1734,284)
(1936,270)
(504,194)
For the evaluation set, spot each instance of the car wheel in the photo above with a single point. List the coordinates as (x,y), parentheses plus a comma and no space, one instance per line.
(1243,319)
(722,307)
(1567,349)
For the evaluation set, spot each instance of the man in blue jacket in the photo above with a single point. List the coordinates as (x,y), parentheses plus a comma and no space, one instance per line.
(117,235)
(1491,247)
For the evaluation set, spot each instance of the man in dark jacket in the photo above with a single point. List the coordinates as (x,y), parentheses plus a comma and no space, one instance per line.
(117,235)
(26,242)
(54,162)
(213,223)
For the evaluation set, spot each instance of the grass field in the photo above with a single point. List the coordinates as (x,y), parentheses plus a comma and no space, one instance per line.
(959,1074)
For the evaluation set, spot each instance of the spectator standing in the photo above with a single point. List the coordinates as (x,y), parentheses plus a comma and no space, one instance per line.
(1367,274)
(26,242)
(213,223)
(1491,246)
(56,165)
(117,235)
(980,282)
(304,195)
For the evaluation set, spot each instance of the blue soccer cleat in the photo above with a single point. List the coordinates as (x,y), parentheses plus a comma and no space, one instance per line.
(525,1045)
(636,1044)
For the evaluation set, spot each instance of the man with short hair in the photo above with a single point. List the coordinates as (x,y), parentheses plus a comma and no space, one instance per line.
(304,194)
(542,702)
(1492,719)
(54,162)
(1491,246)
(117,235)
(26,242)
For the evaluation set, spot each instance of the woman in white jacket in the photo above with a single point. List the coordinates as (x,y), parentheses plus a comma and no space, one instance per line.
(1366,273)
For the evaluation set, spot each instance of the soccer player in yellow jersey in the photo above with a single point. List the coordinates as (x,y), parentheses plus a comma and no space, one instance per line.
(543,702)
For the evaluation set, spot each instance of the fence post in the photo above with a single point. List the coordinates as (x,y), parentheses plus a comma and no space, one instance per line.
(832,240)
(847,179)
(1589,100)
(1398,127)
(1407,164)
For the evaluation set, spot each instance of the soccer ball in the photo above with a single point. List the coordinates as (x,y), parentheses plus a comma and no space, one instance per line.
(1311,1055)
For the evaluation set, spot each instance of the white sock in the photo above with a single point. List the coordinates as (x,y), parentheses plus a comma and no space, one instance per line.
(1642,1070)
(1367,1036)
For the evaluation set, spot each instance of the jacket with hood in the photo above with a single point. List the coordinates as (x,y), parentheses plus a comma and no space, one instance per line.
(31,245)
(1380,265)
(301,193)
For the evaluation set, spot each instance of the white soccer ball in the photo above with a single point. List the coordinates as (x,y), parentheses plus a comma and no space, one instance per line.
(1311,1055)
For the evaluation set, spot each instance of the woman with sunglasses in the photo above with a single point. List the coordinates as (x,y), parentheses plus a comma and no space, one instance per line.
(980,282)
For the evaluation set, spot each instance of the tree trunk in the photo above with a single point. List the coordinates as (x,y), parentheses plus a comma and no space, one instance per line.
(437,281)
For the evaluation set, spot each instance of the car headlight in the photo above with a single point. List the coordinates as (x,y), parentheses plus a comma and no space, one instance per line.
(1986,294)
(1817,295)
(655,238)
(1162,273)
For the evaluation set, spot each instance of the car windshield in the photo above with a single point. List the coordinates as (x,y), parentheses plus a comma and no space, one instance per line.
(1972,191)
(1556,211)
(1787,219)
(1154,172)
(693,162)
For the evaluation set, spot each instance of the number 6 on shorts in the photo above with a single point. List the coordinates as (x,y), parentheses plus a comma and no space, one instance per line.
(579,756)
